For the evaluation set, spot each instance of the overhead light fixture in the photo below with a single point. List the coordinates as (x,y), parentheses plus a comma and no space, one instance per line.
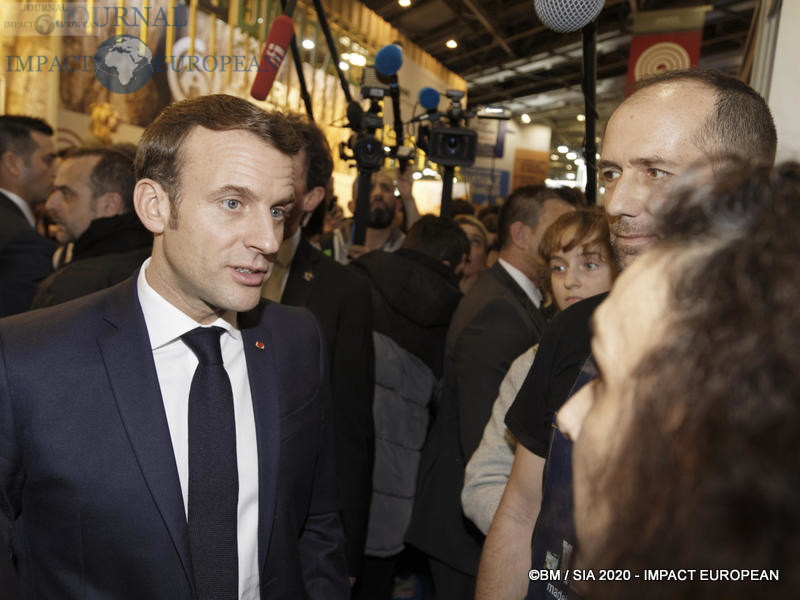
(416,175)
(554,157)
(569,167)
(570,175)
(580,162)
(526,118)
(308,44)
(343,65)
(572,155)
(452,44)
(357,60)
(387,149)
(404,3)
(581,117)
(562,148)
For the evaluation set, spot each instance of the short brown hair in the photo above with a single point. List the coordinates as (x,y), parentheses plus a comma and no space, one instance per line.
(113,172)
(741,123)
(159,156)
(525,204)
(319,163)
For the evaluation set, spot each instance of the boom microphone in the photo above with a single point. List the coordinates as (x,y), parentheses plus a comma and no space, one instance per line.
(566,16)
(389,59)
(429,98)
(280,35)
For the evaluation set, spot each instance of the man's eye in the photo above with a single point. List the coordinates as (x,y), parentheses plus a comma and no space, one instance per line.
(278,212)
(557,268)
(592,266)
(654,173)
(231,204)
(610,175)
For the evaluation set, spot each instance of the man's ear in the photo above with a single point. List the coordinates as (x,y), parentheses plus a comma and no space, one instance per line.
(11,163)
(152,206)
(312,199)
(519,234)
(109,205)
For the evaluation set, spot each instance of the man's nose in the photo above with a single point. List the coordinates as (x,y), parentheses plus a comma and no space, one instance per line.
(626,198)
(571,416)
(264,235)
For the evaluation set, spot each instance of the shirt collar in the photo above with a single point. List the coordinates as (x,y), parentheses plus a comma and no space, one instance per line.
(165,322)
(526,284)
(22,205)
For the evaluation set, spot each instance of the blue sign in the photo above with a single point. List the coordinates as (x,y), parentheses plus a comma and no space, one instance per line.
(486,185)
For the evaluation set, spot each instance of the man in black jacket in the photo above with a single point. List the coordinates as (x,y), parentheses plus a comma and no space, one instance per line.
(304,276)
(415,293)
(92,206)
(26,173)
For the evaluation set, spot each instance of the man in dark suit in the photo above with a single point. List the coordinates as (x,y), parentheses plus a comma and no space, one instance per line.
(26,173)
(341,302)
(171,437)
(494,323)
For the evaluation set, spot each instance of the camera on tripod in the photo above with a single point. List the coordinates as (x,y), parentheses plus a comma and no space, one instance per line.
(451,145)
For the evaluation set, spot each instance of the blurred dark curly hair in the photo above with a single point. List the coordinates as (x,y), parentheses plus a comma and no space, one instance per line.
(708,476)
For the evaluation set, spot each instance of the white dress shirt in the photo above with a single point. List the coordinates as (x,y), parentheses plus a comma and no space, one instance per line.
(526,284)
(175,365)
(22,205)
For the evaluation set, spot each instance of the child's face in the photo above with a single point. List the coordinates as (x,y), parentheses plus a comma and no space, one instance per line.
(582,272)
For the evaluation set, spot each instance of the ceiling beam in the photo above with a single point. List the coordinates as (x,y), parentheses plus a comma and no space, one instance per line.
(487,23)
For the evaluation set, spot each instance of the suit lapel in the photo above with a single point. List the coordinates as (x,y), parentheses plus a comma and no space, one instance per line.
(128,359)
(508,281)
(302,273)
(262,371)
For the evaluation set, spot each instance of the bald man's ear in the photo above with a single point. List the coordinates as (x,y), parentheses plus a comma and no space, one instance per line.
(152,206)
(312,199)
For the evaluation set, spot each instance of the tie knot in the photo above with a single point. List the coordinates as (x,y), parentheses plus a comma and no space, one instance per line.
(204,342)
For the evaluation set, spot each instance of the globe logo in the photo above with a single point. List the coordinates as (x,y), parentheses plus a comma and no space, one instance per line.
(44,24)
(123,64)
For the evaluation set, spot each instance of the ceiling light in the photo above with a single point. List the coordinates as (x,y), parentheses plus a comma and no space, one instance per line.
(343,65)
(581,117)
(452,44)
(554,157)
(308,44)
(569,167)
(344,40)
(404,3)
(357,60)
(572,155)
(562,149)
(580,162)
(260,20)
(526,118)
(416,175)
(570,175)
(387,149)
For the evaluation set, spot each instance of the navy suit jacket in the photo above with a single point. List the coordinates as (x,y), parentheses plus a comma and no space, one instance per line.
(340,300)
(87,463)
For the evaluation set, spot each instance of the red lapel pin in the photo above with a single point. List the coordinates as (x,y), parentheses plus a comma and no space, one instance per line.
(260,345)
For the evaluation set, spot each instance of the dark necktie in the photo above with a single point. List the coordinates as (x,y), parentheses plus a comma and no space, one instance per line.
(213,475)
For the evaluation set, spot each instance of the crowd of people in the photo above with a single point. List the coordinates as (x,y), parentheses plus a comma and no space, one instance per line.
(207,391)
